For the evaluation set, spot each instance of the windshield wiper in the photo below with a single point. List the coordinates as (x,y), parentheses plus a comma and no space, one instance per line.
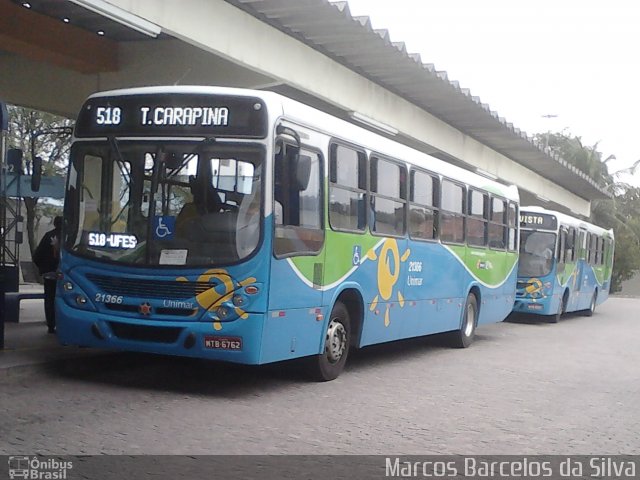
(120,161)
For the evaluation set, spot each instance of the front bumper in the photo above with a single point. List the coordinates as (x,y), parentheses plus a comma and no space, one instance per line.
(237,341)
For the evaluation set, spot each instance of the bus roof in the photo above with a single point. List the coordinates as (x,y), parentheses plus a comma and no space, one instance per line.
(565,219)
(304,115)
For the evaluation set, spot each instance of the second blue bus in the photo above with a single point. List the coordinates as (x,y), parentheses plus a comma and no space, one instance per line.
(565,264)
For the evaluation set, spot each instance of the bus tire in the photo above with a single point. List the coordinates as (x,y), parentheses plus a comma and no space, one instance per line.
(329,364)
(464,337)
(562,308)
(592,306)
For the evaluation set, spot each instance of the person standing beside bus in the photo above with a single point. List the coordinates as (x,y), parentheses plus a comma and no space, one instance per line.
(46,257)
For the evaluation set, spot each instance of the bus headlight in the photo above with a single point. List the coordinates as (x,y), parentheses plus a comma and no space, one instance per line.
(74,296)
(227,312)
(223,312)
(238,300)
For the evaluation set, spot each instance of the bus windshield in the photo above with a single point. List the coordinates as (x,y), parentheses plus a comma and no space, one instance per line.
(164,203)
(536,253)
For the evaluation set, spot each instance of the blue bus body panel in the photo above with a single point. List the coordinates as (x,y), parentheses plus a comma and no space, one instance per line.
(418,303)
(543,295)
(76,328)
(148,310)
(538,295)
(424,293)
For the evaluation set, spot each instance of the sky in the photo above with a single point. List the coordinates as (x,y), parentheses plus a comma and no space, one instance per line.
(575,60)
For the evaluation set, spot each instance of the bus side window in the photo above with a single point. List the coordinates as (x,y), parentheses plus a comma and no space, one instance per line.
(562,246)
(423,213)
(569,254)
(347,188)
(498,224)
(477,216)
(591,248)
(387,197)
(599,246)
(512,221)
(582,245)
(452,207)
(298,202)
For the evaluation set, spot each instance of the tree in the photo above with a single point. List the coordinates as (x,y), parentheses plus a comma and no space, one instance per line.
(26,127)
(585,158)
(621,212)
(627,202)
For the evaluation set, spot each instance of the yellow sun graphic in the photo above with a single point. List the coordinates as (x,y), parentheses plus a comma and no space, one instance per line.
(222,291)
(386,277)
(534,288)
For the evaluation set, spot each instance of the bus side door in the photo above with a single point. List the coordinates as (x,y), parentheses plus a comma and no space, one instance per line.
(292,328)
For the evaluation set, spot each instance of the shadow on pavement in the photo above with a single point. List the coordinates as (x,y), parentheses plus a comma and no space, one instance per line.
(215,378)
(532,319)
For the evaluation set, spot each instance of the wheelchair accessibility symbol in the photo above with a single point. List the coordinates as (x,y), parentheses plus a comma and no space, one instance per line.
(357,255)
(164,227)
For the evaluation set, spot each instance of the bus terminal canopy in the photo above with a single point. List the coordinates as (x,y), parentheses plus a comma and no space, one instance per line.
(330,39)
(330,28)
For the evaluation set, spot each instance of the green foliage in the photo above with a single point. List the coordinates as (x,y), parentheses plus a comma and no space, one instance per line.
(585,158)
(627,259)
(621,213)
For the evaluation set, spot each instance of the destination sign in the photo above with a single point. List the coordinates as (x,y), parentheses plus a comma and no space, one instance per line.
(112,240)
(541,221)
(176,114)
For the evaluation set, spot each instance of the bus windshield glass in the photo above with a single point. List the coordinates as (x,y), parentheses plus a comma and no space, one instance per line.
(536,253)
(164,203)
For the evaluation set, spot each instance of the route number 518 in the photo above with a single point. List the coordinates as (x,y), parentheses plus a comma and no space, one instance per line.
(108,115)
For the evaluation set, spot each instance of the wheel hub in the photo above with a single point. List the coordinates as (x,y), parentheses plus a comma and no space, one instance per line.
(336,342)
(470,319)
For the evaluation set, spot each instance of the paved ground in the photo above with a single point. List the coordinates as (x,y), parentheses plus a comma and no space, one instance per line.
(26,343)
(522,388)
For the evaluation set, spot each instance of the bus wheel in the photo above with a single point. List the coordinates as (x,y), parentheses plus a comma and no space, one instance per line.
(592,306)
(555,318)
(329,364)
(463,337)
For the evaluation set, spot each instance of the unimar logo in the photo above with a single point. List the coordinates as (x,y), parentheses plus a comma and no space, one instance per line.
(38,468)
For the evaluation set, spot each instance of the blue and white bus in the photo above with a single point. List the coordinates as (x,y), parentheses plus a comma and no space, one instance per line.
(565,264)
(244,226)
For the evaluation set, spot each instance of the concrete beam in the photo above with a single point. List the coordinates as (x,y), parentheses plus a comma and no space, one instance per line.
(163,62)
(247,53)
(220,28)
(45,39)
(174,62)
(42,86)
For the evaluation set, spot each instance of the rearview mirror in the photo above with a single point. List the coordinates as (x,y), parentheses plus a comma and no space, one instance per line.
(172,160)
(36,174)
(14,161)
(302,168)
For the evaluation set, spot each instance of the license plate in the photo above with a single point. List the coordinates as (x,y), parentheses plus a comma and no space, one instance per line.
(223,343)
